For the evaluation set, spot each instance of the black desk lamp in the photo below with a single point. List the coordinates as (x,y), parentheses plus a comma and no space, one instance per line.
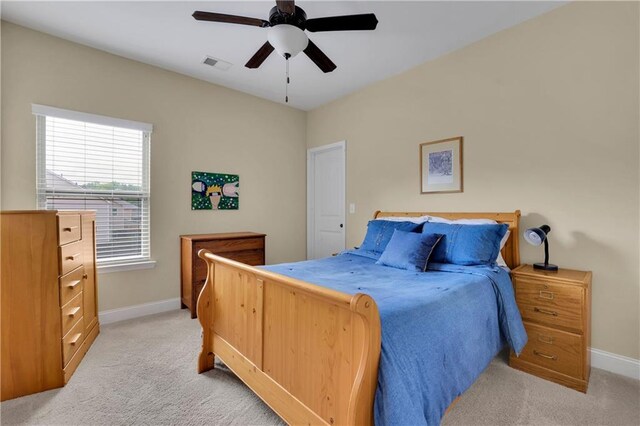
(535,237)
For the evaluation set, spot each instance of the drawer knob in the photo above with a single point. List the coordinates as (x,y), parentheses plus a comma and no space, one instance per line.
(69,228)
(72,284)
(546,312)
(543,355)
(85,276)
(72,313)
(546,295)
(75,339)
(72,257)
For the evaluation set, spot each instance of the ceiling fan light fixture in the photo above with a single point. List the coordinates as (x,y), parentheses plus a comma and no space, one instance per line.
(287,40)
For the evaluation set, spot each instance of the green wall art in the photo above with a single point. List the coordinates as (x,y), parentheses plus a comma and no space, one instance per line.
(214,191)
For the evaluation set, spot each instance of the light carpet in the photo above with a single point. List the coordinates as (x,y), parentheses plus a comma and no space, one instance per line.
(143,371)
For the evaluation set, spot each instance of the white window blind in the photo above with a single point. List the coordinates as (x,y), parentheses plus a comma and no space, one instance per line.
(89,162)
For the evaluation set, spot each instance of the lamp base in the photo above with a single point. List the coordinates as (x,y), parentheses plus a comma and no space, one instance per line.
(546,267)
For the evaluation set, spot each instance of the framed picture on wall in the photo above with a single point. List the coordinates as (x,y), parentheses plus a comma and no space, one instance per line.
(214,191)
(441,166)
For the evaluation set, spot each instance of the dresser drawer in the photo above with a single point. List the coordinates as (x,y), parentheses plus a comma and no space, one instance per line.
(249,257)
(231,245)
(70,257)
(71,285)
(554,349)
(550,303)
(71,313)
(68,228)
(72,341)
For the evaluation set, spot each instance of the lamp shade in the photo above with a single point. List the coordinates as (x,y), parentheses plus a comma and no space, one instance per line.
(536,236)
(288,40)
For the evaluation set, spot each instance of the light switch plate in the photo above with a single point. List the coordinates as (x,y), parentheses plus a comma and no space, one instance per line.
(352,208)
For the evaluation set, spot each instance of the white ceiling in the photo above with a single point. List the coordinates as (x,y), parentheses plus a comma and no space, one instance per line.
(164,34)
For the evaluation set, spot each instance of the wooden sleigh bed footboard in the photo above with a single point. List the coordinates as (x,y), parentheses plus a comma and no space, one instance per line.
(309,352)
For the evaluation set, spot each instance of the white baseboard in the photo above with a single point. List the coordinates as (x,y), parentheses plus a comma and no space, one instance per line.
(135,311)
(615,363)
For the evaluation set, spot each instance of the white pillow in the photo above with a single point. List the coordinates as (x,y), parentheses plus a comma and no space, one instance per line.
(499,260)
(420,219)
(436,219)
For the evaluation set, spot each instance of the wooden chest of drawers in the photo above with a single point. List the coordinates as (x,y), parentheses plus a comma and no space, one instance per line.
(49,303)
(245,247)
(556,311)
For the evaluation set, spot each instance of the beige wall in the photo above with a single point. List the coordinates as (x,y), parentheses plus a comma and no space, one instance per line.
(197,126)
(549,112)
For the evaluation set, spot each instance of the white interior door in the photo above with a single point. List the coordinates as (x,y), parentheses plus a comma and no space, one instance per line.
(326,200)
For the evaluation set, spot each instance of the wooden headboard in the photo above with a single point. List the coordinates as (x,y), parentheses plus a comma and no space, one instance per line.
(510,251)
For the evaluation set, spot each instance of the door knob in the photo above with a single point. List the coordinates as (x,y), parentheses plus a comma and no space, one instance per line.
(341,225)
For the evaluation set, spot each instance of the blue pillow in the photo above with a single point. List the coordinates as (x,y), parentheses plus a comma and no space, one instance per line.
(379,233)
(466,244)
(409,250)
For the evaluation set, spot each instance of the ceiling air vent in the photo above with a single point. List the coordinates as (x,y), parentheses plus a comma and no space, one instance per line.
(216,63)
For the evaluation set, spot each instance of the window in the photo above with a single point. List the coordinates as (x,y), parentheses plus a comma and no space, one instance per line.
(90,162)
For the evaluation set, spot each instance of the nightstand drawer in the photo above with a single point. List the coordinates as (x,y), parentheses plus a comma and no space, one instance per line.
(554,349)
(549,303)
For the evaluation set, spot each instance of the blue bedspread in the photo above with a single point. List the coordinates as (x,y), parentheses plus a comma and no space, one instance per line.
(440,328)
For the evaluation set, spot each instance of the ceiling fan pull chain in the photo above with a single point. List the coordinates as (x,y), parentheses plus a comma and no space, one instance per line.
(286,86)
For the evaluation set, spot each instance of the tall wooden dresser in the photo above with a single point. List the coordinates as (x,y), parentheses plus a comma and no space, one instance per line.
(245,247)
(49,297)
(556,311)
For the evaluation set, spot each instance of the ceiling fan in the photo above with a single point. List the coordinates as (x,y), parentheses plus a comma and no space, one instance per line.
(286,31)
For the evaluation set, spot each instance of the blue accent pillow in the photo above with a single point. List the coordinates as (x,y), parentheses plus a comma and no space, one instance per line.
(379,233)
(409,250)
(466,244)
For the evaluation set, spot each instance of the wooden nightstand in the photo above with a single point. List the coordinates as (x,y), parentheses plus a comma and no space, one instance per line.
(245,247)
(556,311)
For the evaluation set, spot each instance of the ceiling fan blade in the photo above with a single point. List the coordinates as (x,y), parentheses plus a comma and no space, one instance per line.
(367,21)
(229,19)
(286,6)
(319,58)
(258,58)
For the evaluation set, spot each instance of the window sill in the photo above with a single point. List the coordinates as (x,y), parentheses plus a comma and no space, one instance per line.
(129,266)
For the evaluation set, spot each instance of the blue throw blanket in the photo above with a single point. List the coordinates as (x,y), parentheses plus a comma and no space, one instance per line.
(440,328)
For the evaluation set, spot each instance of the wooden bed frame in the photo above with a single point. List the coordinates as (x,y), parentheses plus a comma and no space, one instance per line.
(311,353)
